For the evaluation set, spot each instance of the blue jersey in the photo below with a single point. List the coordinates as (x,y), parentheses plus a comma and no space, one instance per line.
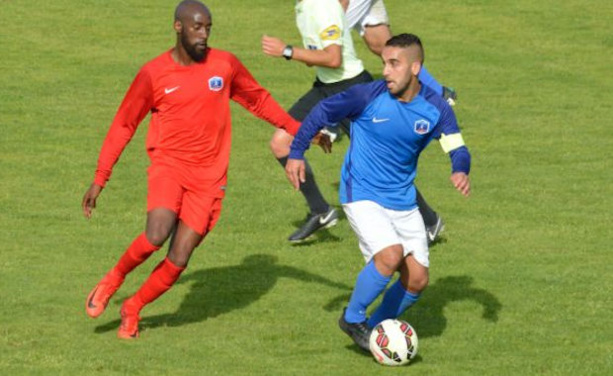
(387,136)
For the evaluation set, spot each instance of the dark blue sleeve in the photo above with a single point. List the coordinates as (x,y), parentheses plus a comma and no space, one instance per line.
(447,122)
(448,125)
(460,160)
(328,112)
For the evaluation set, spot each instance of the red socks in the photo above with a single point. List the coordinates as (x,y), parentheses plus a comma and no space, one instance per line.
(136,254)
(161,279)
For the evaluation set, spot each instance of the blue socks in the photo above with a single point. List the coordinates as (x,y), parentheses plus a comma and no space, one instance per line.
(395,301)
(426,78)
(370,283)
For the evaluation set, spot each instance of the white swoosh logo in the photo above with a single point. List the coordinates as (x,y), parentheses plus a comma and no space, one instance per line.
(430,235)
(168,91)
(375,120)
(323,220)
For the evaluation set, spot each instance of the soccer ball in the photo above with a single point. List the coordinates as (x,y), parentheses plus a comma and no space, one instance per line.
(393,342)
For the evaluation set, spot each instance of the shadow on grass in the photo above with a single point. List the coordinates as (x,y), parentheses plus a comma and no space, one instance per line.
(217,291)
(427,315)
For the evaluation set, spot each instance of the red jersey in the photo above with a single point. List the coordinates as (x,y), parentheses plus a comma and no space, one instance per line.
(190,113)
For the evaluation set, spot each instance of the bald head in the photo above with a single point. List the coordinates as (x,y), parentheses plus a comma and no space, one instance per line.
(411,43)
(187,8)
(193,27)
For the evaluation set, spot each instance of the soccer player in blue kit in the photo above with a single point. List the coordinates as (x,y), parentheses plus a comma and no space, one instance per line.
(393,120)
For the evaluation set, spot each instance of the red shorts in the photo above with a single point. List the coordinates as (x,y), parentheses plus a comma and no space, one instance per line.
(174,188)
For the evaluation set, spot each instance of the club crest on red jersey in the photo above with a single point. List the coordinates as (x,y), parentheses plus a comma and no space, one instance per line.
(422,126)
(215,83)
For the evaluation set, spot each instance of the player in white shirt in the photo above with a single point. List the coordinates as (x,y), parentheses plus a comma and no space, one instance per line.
(370,19)
(327,46)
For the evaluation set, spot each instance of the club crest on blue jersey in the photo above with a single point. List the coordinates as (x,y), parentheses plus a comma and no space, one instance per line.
(422,126)
(215,83)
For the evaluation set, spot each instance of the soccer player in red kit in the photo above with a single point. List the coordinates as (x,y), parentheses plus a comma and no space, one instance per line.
(187,90)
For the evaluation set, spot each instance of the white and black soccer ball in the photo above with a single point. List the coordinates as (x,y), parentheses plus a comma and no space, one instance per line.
(393,342)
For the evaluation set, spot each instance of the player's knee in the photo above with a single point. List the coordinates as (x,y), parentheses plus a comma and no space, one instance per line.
(160,224)
(157,235)
(280,144)
(389,260)
(418,284)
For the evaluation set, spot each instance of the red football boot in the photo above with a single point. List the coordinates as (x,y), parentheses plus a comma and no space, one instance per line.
(98,298)
(129,321)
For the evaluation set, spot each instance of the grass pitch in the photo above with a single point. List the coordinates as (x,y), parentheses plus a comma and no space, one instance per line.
(520,284)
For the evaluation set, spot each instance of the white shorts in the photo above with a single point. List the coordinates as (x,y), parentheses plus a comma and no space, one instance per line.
(362,13)
(378,228)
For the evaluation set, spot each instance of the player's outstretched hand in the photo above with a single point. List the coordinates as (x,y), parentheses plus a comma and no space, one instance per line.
(324,142)
(294,169)
(89,199)
(461,182)
(272,46)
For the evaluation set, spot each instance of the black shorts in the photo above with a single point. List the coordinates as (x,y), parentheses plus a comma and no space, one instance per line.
(320,91)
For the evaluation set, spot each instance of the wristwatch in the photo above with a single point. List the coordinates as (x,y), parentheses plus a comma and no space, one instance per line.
(288,52)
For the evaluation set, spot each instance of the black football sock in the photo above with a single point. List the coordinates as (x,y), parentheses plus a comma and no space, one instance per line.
(310,191)
(426,211)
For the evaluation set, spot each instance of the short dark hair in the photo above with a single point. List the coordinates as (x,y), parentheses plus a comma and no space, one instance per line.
(406,40)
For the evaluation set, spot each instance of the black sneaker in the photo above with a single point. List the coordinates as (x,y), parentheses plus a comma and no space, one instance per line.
(450,95)
(432,232)
(359,332)
(313,223)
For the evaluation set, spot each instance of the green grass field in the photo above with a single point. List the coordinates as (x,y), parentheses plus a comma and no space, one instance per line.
(521,283)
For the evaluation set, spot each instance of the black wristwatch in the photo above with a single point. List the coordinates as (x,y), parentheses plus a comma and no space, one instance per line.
(288,52)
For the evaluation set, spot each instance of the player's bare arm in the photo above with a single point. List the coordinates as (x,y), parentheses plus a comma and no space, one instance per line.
(89,199)
(330,57)
(282,140)
(375,37)
(461,182)
(294,169)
